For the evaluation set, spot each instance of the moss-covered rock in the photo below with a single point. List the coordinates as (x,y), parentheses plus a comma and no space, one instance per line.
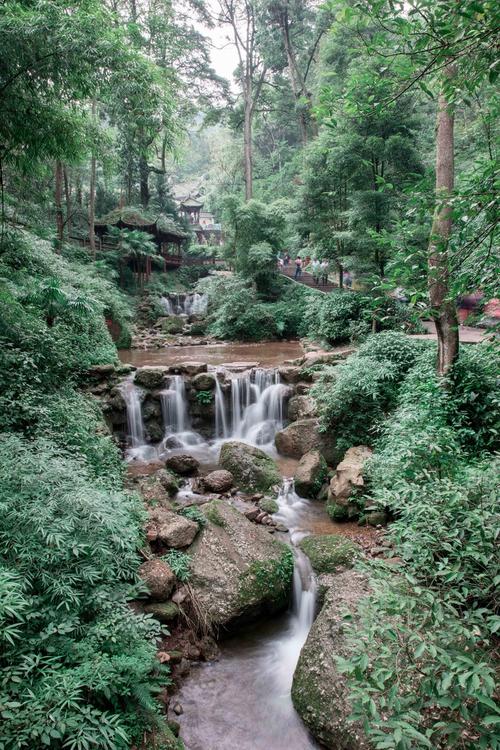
(269,579)
(150,377)
(269,505)
(327,551)
(252,469)
(173,324)
(162,611)
(239,573)
(320,692)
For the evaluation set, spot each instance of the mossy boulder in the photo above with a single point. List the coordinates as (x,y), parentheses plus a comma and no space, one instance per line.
(310,474)
(150,377)
(173,324)
(204,381)
(328,551)
(252,469)
(162,611)
(269,505)
(239,573)
(301,407)
(319,691)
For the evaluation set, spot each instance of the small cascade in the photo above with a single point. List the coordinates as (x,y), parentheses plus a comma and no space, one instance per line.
(304,592)
(132,397)
(167,306)
(196,304)
(174,406)
(176,422)
(257,407)
(221,421)
(185,304)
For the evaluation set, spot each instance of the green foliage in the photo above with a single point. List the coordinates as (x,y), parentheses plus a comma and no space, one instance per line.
(421,671)
(204,397)
(328,316)
(236,312)
(180,562)
(255,238)
(194,514)
(355,396)
(47,342)
(76,662)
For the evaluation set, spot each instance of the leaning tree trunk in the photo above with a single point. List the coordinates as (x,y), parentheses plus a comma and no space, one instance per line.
(442,306)
(58,189)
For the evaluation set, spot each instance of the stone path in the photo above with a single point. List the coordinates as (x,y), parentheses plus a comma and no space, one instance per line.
(467,334)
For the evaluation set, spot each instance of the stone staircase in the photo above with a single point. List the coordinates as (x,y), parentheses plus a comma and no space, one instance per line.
(307,279)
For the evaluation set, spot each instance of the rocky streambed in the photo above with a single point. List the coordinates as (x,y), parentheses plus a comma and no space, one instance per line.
(249,576)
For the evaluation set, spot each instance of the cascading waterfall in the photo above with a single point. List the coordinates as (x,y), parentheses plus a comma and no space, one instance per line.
(221,421)
(167,306)
(185,304)
(176,422)
(174,406)
(257,407)
(132,397)
(291,506)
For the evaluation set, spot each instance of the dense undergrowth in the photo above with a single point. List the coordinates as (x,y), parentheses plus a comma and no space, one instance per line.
(422,670)
(78,668)
(238,312)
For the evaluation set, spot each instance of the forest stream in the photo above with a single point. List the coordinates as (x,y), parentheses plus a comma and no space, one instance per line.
(241,700)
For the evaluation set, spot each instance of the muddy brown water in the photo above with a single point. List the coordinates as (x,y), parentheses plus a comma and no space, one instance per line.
(262,354)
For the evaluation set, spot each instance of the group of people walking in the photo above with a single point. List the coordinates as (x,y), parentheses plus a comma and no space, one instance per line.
(318,269)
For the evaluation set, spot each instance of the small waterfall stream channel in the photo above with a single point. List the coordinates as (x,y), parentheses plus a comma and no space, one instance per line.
(241,701)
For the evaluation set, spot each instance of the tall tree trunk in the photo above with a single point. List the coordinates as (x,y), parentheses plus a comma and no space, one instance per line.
(58,203)
(297,81)
(93,169)
(443,308)
(247,148)
(67,198)
(144,181)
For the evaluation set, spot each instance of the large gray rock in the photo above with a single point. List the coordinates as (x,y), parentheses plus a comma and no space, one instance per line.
(310,474)
(158,577)
(251,468)
(348,474)
(182,463)
(298,438)
(218,481)
(169,529)
(190,368)
(150,377)
(301,407)
(238,571)
(290,373)
(320,691)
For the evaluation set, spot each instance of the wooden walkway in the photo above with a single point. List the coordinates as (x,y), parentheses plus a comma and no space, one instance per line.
(306,279)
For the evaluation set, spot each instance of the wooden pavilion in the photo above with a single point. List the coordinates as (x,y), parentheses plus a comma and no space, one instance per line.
(167,236)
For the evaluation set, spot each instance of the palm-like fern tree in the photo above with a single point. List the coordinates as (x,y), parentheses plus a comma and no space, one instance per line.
(54,300)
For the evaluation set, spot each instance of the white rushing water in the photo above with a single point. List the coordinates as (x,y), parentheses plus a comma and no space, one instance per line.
(255,411)
(185,304)
(132,397)
(243,701)
(176,422)
(250,407)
